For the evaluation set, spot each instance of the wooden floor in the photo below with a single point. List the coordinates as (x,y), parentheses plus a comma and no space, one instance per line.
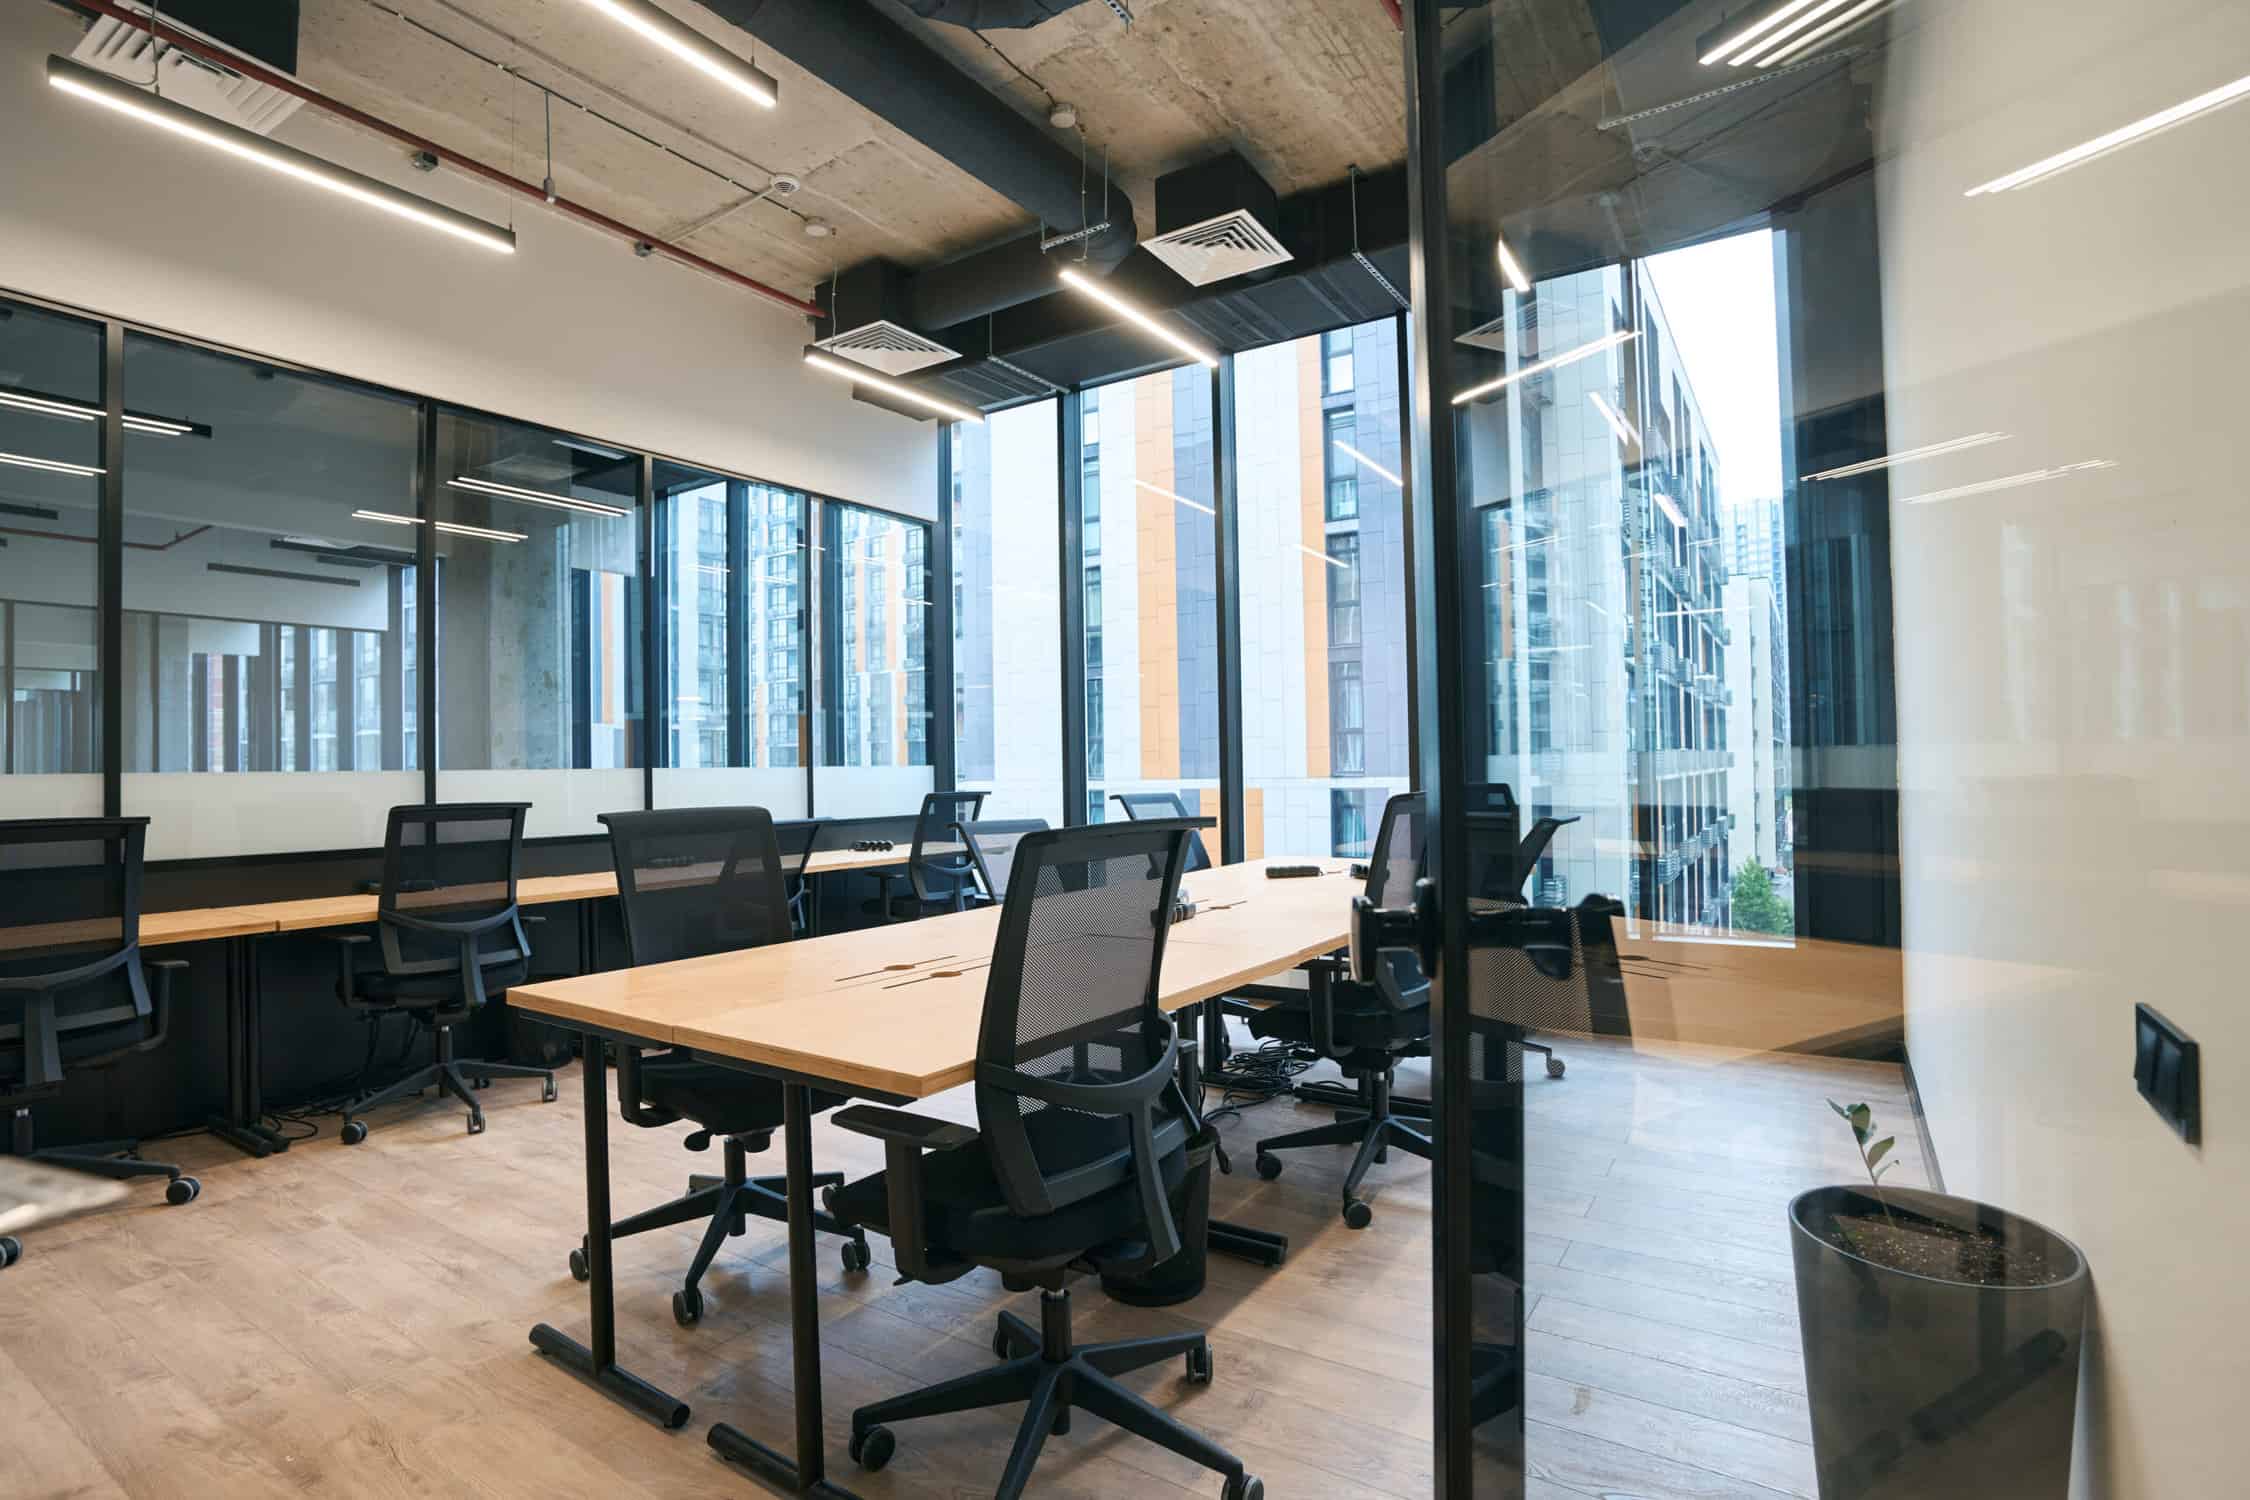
(350,1321)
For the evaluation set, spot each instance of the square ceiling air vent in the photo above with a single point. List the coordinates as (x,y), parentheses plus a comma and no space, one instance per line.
(1233,244)
(129,53)
(886,347)
(1492,335)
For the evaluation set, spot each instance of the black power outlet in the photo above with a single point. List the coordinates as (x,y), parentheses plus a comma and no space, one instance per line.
(2168,1070)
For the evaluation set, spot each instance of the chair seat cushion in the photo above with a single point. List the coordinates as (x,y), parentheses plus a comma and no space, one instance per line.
(968,1214)
(424,991)
(1375,1029)
(723,1100)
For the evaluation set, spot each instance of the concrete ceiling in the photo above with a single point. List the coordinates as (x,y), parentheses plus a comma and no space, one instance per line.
(1303,89)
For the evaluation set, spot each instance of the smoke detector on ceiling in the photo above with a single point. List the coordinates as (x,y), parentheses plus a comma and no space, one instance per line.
(1233,244)
(1063,116)
(884,346)
(126,52)
(818,229)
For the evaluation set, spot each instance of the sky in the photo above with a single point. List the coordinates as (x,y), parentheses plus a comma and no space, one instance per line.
(1719,300)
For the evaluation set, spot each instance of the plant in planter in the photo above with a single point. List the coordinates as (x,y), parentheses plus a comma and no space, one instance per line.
(1941,1339)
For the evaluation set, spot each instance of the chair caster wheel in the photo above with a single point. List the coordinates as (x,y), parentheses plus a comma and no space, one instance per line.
(873,1448)
(476,1124)
(484,1083)
(353,1133)
(580,1269)
(1248,1487)
(1269,1167)
(1554,1067)
(1357,1215)
(1000,1347)
(11,1250)
(857,1256)
(182,1190)
(549,1094)
(1199,1366)
(687,1307)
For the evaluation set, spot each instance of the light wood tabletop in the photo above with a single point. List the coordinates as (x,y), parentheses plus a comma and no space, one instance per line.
(894,1010)
(202,924)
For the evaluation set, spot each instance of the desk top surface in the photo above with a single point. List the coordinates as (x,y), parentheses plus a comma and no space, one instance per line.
(894,1010)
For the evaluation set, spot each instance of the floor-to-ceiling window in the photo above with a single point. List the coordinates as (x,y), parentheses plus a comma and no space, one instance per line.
(1007,612)
(50,488)
(1323,581)
(1149,582)
(539,644)
(872,715)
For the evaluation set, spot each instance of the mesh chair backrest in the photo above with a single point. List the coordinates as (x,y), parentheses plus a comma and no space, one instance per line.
(451,862)
(1397,861)
(1547,969)
(1493,872)
(71,983)
(1143,806)
(797,839)
(1072,1001)
(993,843)
(698,880)
(939,877)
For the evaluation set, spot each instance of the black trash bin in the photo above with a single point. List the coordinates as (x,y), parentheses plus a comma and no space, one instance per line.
(1179,1279)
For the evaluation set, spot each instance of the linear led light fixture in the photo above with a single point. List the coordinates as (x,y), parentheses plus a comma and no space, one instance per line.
(1157,489)
(1626,432)
(1754,37)
(1671,511)
(2010,481)
(2122,136)
(1910,455)
(50,465)
(1078,282)
(693,48)
(450,528)
(112,93)
(1510,267)
(1368,463)
(861,375)
(1784,38)
(1567,357)
(72,411)
(1790,51)
(533,497)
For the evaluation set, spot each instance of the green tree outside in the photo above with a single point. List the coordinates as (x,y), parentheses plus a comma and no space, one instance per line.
(1758,907)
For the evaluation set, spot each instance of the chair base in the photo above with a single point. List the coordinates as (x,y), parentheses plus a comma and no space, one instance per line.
(120,1161)
(1053,1377)
(449,1075)
(727,1202)
(1374,1127)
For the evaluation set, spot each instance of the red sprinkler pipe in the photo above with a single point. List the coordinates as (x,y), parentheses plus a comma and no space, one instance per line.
(470,165)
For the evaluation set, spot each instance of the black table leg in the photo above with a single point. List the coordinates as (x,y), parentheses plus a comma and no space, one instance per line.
(808,1473)
(599,1363)
(1259,1246)
(242,1125)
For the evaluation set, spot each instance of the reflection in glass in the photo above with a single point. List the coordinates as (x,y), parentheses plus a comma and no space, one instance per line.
(1150,585)
(538,594)
(50,382)
(1007,613)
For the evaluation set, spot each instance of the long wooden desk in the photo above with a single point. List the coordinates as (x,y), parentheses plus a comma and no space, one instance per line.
(890,1013)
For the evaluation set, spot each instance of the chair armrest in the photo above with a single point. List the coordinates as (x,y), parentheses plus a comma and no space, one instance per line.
(905,1137)
(160,999)
(898,1126)
(346,970)
(631,1106)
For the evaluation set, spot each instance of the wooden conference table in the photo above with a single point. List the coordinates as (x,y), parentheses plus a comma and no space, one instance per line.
(242,927)
(891,1014)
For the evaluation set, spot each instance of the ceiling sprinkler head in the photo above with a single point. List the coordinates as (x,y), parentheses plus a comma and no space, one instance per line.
(818,229)
(783,185)
(1063,116)
(423,161)
(643,249)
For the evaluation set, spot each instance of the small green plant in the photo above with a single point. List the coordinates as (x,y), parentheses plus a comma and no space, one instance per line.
(1871,1156)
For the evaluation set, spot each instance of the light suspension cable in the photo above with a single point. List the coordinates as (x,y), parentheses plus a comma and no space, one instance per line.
(115,94)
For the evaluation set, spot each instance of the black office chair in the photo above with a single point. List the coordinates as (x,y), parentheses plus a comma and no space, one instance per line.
(797,840)
(936,882)
(1503,866)
(1144,805)
(74,990)
(1083,1137)
(694,881)
(992,845)
(1366,1028)
(449,937)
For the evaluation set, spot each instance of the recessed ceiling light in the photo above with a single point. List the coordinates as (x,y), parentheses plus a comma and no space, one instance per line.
(112,93)
(1078,282)
(693,48)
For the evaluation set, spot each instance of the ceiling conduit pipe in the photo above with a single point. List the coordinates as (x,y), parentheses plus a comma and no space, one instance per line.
(235,63)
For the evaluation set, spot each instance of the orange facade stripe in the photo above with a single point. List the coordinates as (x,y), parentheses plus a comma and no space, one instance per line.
(1157,578)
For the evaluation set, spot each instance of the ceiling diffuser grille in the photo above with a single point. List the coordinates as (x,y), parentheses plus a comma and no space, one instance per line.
(885,346)
(1233,244)
(127,52)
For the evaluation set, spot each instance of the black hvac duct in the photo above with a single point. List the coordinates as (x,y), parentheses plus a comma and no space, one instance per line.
(877,63)
(991,15)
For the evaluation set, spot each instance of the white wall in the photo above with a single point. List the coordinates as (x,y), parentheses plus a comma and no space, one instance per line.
(2073,695)
(573,330)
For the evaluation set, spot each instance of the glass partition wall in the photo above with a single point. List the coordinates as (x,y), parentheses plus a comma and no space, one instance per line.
(50,494)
